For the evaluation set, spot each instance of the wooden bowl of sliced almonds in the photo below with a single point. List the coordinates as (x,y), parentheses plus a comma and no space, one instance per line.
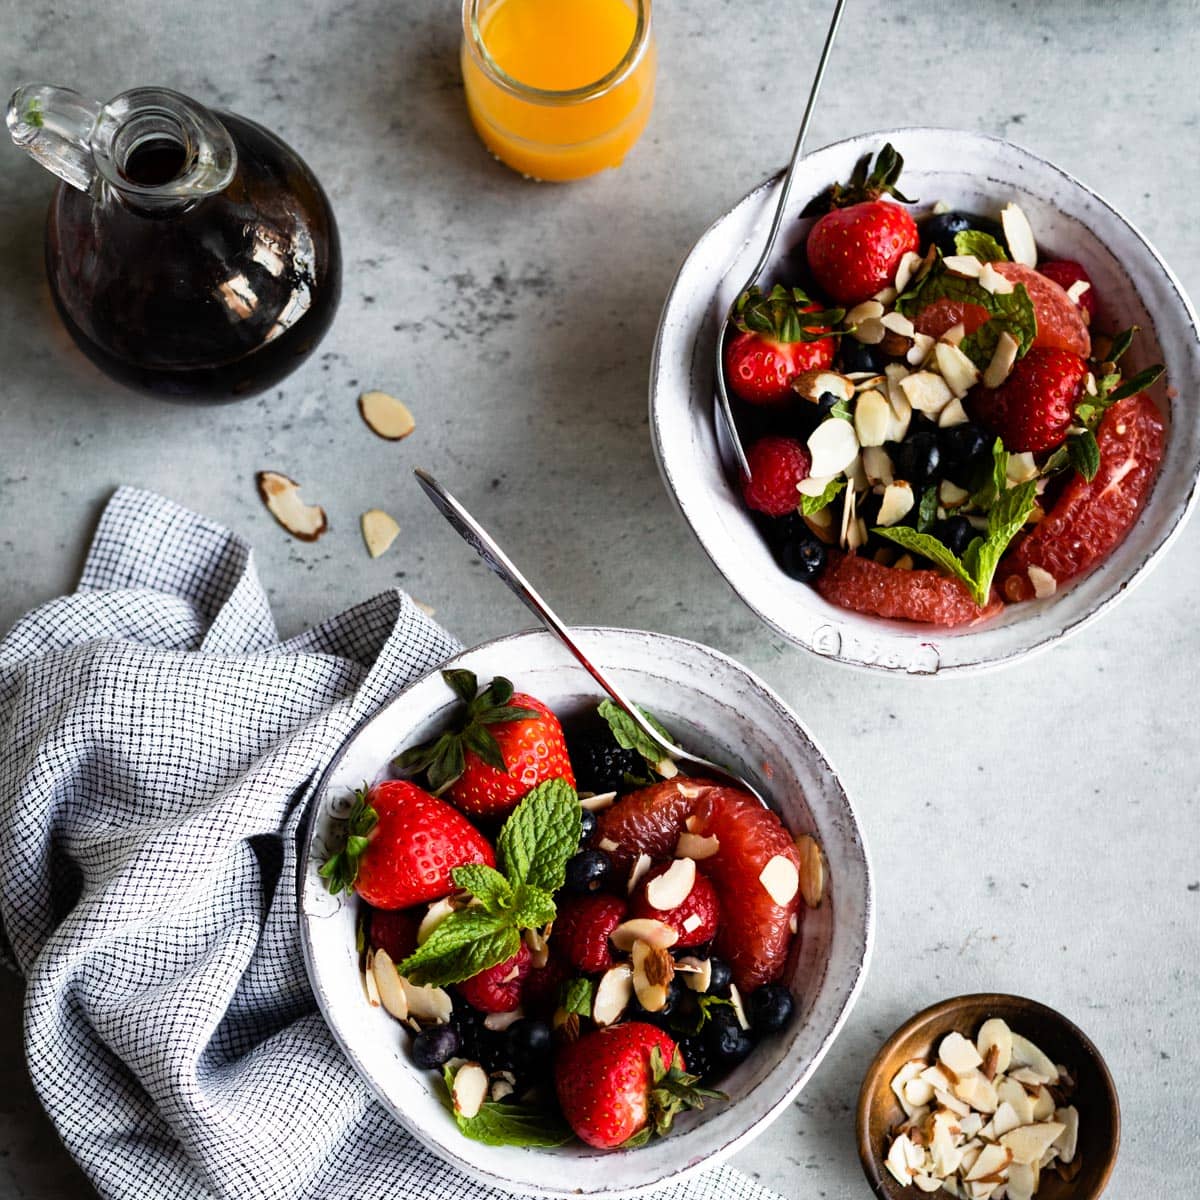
(988,1097)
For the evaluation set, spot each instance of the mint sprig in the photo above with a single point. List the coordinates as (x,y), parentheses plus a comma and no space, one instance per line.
(1009,511)
(541,833)
(814,504)
(629,735)
(497,1124)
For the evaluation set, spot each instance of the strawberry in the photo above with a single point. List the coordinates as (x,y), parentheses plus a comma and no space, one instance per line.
(401,845)
(699,905)
(1065,272)
(394,930)
(855,248)
(498,989)
(619,1085)
(1034,407)
(780,335)
(777,465)
(581,930)
(504,745)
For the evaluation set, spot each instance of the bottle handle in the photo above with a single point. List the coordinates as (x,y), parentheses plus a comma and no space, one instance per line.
(54,126)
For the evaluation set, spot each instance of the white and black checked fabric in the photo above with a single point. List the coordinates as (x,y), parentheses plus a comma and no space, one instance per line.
(157,746)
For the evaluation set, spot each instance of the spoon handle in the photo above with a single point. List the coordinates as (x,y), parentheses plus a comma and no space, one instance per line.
(798,149)
(498,562)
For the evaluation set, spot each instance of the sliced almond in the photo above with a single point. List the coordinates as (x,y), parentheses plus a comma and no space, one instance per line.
(993,281)
(898,323)
(1026,1054)
(643,929)
(917,1092)
(379,531)
(281,495)
(953,414)
(653,970)
(597,803)
(868,310)
(954,334)
(1043,1105)
(995,1033)
(1005,1119)
(937,1078)
(909,262)
(974,1089)
(1029,1142)
(500,1089)
(833,447)
(780,879)
(956,368)
(812,870)
(696,972)
(692,923)
(897,503)
(739,1009)
(1067,1142)
(959,1054)
(435,914)
(848,512)
(812,385)
(950,495)
(1002,361)
(613,993)
(386,416)
(966,265)
(1011,1092)
(877,464)
(608,845)
(814,485)
(991,1161)
(872,418)
(1022,1183)
(920,350)
(694,846)
(391,992)
(927,1183)
(470,1090)
(539,948)
(926,392)
(370,986)
(953,1103)
(429,1005)
(870,331)
(499,1022)
(641,867)
(670,889)
(886,295)
(1018,233)
(1077,289)
(897,1160)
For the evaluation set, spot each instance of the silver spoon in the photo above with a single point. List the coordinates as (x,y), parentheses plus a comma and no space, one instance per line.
(731,440)
(485,546)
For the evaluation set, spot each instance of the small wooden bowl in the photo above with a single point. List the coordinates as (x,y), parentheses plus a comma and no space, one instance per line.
(1095,1096)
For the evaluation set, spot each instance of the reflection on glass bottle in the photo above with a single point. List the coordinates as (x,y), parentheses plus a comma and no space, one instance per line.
(190,254)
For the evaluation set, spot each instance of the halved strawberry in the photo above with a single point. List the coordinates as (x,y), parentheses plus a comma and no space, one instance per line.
(504,745)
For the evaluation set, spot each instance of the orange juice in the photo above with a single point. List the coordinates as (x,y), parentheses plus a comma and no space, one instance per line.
(558,89)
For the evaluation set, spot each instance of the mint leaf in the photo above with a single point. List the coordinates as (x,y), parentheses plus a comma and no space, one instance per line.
(1084,454)
(532,907)
(485,883)
(509,1124)
(541,833)
(927,510)
(928,547)
(814,504)
(629,735)
(578,995)
(1006,518)
(982,245)
(461,945)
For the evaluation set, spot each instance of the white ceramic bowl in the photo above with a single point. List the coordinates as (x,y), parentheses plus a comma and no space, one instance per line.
(724,712)
(977,173)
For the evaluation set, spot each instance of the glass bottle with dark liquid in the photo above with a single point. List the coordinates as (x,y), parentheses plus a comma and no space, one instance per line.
(190,254)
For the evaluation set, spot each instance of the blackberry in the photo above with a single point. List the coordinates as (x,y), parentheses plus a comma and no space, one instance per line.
(601,765)
(695,1055)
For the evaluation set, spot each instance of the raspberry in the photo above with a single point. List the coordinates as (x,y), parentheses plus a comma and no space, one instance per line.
(777,465)
(700,903)
(581,931)
(498,989)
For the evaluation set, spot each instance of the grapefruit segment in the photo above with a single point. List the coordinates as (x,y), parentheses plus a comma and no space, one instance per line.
(865,586)
(648,821)
(1089,519)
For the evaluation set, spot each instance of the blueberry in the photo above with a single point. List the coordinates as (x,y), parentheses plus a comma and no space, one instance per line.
(955,533)
(528,1044)
(695,1055)
(803,557)
(771,1008)
(434,1046)
(917,458)
(858,356)
(727,1042)
(600,765)
(941,228)
(588,871)
(720,978)
(825,403)
(587,822)
(965,449)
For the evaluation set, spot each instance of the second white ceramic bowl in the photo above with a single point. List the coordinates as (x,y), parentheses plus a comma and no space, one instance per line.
(977,173)
(721,710)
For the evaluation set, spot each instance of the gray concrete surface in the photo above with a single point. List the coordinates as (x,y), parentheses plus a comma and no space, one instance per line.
(517,320)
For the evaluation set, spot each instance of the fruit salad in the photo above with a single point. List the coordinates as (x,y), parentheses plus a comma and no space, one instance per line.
(937,414)
(580,941)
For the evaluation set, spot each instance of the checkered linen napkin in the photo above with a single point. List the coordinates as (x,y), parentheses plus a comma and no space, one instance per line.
(157,746)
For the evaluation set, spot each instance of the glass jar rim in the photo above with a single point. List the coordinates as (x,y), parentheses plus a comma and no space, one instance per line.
(473,37)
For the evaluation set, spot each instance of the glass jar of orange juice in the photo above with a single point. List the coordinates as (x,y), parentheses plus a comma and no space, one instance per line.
(558,89)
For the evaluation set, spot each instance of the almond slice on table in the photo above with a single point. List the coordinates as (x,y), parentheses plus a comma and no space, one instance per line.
(379,531)
(470,1090)
(281,495)
(386,416)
